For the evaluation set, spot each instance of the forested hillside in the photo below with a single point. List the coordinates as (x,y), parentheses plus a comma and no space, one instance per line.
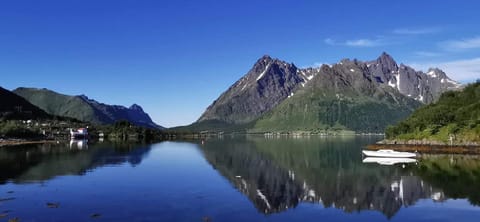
(456,115)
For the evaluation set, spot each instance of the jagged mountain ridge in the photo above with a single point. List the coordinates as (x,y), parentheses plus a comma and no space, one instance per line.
(271,81)
(424,87)
(341,97)
(85,109)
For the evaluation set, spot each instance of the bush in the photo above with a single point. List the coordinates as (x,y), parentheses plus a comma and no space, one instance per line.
(13,129)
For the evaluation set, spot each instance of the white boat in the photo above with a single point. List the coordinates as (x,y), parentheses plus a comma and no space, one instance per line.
(388,153)
(81,133)
(388,160)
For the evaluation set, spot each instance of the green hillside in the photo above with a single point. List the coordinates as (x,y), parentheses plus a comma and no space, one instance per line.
(85,109)
(59,104)
(456,115)
(320,113)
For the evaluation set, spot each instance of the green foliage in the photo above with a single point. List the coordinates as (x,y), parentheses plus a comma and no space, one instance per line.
(124,130)
(59,130)
(14,129)
(319,112)
(456,114)
(211,126)
(122,124)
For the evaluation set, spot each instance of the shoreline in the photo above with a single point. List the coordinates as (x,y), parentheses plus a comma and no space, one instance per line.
(426,142)
(4,143)
(428,149)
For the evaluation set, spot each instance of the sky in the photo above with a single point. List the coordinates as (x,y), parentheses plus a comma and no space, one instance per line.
(174,58)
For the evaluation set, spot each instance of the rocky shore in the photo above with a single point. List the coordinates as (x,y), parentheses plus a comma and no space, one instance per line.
(429,148)
(427,142)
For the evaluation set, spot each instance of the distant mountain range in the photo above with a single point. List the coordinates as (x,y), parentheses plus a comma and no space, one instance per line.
(83,108)
(352,95)
(13,106)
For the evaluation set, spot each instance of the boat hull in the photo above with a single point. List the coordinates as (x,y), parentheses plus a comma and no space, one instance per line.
(388,160)
(388,154)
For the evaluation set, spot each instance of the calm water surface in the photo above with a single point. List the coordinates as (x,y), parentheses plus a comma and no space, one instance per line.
(241,179)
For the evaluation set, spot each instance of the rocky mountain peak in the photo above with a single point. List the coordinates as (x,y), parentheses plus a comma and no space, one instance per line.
(267,66)
(136,107)
(84,97)
(265,57)
(387,62)
(261,66)
(263,61)
(266,61)
(436,73)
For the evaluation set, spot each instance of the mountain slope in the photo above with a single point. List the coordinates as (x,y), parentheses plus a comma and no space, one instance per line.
(361,96)
(345,96)
(456,115)
(83,108)
(13,106)
(268,83)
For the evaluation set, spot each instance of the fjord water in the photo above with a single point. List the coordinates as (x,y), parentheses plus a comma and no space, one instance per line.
(233,179)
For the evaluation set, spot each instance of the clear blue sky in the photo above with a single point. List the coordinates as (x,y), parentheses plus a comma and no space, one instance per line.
(175,57)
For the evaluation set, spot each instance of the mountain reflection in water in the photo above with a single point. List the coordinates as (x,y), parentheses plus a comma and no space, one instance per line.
(43,162)
(281,173)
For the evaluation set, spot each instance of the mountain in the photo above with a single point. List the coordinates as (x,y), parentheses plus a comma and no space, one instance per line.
(341,97)
(454,118)
(355,95)
(13,106)
(268,83)
(84,109)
